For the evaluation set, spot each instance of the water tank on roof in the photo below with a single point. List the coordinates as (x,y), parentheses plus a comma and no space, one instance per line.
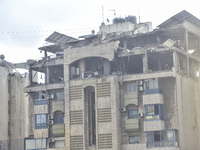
(131,19)
(118,20)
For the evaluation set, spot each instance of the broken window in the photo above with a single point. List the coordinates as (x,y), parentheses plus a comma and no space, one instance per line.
(193,68)
(90,67)
(56,74)
(160,61)
(132,64)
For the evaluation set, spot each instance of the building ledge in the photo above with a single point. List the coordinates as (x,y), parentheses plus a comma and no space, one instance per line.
(160,74)
(43,87)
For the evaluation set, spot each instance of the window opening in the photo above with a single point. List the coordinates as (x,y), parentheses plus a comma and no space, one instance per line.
(154,112)
(132,114)
(40,121)
(90,100)
(163,138)
(59,95)
(134,139)
(131,88)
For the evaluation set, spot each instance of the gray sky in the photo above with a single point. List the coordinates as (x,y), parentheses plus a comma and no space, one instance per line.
(24,24)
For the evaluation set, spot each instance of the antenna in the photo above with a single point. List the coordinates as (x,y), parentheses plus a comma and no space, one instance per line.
(139,16)
(113,11)
(102,14)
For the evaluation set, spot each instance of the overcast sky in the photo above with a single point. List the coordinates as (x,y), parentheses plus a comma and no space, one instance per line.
(25,24)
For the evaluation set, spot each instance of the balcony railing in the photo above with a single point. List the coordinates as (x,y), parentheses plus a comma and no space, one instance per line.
(132,124)
(58,129)
(40,102)
(58,105)
(162,144)
(152,91)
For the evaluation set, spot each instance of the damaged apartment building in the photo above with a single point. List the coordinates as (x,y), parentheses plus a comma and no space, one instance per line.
(14,106)
(126,87)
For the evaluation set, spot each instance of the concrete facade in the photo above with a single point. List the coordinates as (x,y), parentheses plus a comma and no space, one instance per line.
(15,122)
(119,90)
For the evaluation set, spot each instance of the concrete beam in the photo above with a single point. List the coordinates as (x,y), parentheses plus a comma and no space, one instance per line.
(191,28)
(43,87)
(134,77)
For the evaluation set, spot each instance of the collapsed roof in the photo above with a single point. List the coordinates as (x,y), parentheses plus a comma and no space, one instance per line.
(170,29)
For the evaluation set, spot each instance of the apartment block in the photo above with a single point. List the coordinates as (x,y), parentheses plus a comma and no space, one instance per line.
(127,87)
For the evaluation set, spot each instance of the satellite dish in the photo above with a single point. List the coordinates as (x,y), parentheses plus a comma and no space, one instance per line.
(2,57)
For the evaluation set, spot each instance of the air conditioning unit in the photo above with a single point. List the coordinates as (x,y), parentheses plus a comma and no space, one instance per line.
(140,88)
(51,122)
(50,116)
(51,140)
(123,109)
(51,96)
(140,82)
(140,115)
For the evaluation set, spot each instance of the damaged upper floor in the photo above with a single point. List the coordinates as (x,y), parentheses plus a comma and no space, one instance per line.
(124,48)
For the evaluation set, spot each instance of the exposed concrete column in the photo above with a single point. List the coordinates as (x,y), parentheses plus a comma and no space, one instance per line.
(115,113)
(45,54)
(82,65)
(67,107)
(125,44)
(47,75)
(175,64)
(30,76)
(188,66)
(186,40)
(145,62)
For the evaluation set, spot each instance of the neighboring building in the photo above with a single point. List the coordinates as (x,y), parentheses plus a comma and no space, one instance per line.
(14,108)
(126,88)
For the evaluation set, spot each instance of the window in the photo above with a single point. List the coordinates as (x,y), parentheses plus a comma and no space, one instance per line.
(134,139)
(152,84)
(40,121)
(164,138)
(40,99)
(35,144)
(59,96)
(132,114)
(59,119)
(154,112)
(131,88)
(152,87)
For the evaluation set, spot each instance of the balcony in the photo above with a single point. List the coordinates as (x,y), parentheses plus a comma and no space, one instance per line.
(58,130)
(132,124)
(131,98)
(58,105)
